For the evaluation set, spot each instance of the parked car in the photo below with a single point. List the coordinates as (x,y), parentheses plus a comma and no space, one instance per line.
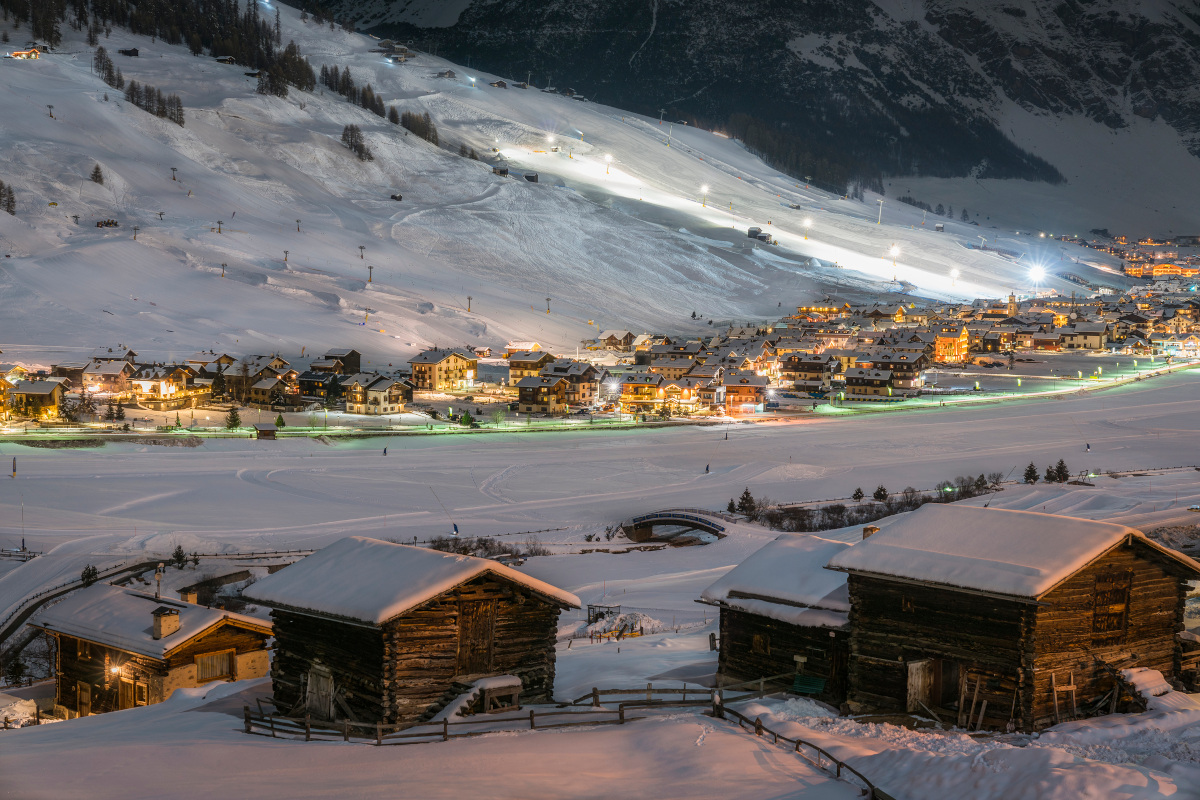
(1194,508)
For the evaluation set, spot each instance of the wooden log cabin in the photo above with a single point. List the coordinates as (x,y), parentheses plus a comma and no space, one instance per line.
(781,605)
(1007,619)
(117,648)
(371,631)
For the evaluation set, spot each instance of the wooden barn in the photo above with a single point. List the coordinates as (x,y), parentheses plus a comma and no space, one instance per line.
(783,612)
(371,631)
(117,648)
(999,618)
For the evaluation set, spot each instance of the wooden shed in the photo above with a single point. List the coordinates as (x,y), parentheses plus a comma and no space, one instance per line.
(783,612)
(372,631)
(998,617)
(117,648)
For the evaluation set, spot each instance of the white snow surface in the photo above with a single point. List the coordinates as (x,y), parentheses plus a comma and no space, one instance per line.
(122,618)
(790,569)
(374,581)
(1020,553)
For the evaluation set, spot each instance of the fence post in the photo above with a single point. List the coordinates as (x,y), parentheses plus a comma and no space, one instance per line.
(621,713)
(271,720)
(346,730)
(246,717)
(307,728)
(718,711)
(758,726)
(595,697)
(378,734)
(760,684)
(532,722)
(648,697)
(446,727)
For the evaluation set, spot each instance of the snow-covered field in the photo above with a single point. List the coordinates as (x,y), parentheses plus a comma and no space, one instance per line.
(633,245)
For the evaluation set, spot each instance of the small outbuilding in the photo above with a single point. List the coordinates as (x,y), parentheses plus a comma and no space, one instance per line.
(499,84)
(265,430)
(371,631)
(132,51)
(783,612)
(994,618)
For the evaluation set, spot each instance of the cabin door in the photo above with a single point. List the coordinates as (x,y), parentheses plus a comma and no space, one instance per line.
(126,694)
(84,698)
(476,624)
(920,685)
(318,700)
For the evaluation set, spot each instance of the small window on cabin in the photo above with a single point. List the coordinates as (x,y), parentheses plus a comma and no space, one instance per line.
(213,666)
(761,644)
(83,650)
(141,694)
(1110,607)
(906,603)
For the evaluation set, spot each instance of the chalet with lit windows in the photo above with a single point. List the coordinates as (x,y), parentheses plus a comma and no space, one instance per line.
(160,381)
(542,394)
(989,616)
(118,648)
(812,374)
(641,393)
(444,370)
(418,624)
(783,612)
(907,369)
(951,343)
(583,380)
(527,363)
(870,385)
(745,392)
(268,391)
(1084,336)
(520,347)
(109,377)
(320,386)
(672,366)
(37,399)
(28,55)
(682,395)
(373,394)
(199,361)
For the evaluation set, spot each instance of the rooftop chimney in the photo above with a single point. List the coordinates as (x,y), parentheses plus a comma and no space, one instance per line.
(166,621)
(869,529)
(188,595)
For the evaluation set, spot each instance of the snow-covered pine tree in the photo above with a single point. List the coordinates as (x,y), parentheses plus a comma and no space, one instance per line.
(97,175)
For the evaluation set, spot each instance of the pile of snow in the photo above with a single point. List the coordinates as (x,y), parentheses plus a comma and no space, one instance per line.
(464,700)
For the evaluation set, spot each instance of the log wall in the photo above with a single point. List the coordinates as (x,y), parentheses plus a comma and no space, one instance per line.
(1067,641)
(354,654)
(894,623)
(779,643)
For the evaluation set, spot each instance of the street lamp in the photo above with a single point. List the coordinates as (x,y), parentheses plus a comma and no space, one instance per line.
(880,220)
(607,164)
(807,225)
(953,276)
(895,251)
(704,195)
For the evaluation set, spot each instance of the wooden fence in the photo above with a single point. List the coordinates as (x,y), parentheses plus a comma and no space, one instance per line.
(822,758)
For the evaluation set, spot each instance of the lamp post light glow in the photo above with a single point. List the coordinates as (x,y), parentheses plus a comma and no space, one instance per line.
(704,195)
(880,220)
(807,225)
(1036,274)
(895,251)
(607,163)
(954,273)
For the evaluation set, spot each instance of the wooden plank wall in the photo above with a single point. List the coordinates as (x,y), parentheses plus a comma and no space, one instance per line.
(1065,642)
(353,654)
(893,623)
(827,655)
(96,671)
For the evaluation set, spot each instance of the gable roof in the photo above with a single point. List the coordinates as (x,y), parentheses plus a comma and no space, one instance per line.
(371,581)
(438,355)
(787,581)
(121,618)
(1020,554)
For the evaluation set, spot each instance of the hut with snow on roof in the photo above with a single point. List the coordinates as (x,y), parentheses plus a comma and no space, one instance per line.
(370,631)
(782,612)
(1008,619)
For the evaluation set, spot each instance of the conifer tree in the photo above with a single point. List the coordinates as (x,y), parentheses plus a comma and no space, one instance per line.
(98,175)
(233,419)
(1031,474)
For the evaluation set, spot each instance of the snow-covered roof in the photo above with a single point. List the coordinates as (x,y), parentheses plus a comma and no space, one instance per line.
(372,581)
(1017,553)
(122,619)
(787,581)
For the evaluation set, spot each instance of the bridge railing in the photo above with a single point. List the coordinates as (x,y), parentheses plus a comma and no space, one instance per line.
(669,516)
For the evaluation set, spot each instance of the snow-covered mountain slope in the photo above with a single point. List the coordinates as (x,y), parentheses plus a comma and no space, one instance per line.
(932,88)
(633,244)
